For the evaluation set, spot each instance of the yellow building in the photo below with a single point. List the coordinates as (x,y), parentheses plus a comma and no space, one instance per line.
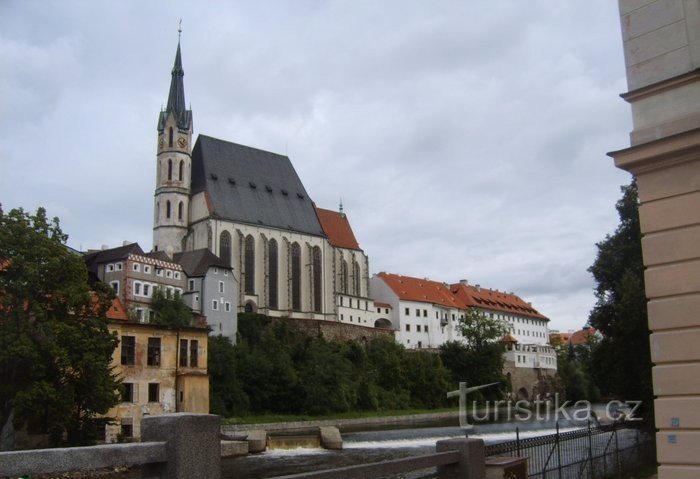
(163,370)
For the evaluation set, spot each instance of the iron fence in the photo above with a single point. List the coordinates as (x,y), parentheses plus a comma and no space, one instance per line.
(591,453)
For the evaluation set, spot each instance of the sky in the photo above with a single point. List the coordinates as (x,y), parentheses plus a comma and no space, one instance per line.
(467,139)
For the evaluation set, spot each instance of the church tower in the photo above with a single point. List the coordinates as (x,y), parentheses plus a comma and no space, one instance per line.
(174,167)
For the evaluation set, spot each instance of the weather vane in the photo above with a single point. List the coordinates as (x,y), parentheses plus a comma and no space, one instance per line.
(179,30)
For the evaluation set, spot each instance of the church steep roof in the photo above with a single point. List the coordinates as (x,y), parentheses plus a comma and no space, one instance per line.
(252,186)
(176,98)
(337,228)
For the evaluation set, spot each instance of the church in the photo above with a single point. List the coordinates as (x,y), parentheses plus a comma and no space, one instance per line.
(250,209)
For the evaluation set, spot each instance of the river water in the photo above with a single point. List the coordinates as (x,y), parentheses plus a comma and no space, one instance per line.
(375,446)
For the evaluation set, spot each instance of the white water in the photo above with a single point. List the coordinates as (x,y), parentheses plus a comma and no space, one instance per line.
(431,440)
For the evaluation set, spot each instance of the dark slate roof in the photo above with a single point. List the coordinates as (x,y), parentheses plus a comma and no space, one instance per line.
(93,258)
(176,98)
(159,255)
(196,263)
(252,186)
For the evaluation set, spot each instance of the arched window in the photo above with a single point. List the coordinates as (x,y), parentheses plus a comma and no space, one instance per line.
(272,275)
(157,211)
(343,276)
(167,209)
(180,208)
(317,278)
(249,266)
(181,170)
(225,247)
(356,279)
(296,277)
(170,169)
(170,137)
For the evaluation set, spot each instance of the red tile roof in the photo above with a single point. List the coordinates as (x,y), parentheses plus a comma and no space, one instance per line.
(382,305)
(484,298)
(337,228)
(582,335)
(408,288)
(117,311)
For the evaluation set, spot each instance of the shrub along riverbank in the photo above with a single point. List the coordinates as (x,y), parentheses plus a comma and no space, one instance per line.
(276,370)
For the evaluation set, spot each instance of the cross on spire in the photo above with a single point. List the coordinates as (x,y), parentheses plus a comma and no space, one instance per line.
(179,30)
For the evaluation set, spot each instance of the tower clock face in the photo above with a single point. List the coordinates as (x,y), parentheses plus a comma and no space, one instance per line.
(181,142)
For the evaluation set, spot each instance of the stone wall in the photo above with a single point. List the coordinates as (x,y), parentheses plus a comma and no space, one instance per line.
(332,330)
(528,383)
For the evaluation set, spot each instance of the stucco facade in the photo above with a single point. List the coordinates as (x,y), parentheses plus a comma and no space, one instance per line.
(662,54)
(162,371)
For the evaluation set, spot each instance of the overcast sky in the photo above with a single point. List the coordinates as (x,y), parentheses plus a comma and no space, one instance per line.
(467,139)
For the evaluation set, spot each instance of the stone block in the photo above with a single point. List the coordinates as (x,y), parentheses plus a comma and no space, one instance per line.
(675,346)
(657,184)
(677,412)
(234,448)
(193,448)
(651,17)
(668,213)
(676,379)
(679,472)
(678,447)
(658,42)
(674,312)
(330,438)
(671,246)
(672,279)
(472,464)
(257,440)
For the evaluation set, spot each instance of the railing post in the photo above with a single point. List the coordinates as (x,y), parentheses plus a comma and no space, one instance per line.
(193,447)
(472,462)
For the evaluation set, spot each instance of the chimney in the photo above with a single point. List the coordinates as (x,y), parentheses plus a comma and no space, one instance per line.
(464,282)
(104,247)
(478,287)
(126,242)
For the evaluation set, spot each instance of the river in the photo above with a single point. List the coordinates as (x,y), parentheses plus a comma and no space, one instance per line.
(375,446)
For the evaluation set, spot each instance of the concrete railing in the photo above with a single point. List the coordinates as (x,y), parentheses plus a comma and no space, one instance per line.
(454,459)
(174,446)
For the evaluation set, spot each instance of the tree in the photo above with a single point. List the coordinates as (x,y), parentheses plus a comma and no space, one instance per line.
(55,348)
(478,359)
(170,310)
(622,360)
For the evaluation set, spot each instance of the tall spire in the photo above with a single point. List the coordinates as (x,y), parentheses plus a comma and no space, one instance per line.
(176,97)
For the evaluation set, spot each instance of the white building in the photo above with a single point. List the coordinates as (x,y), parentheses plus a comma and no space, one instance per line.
(528,341)
(423,312)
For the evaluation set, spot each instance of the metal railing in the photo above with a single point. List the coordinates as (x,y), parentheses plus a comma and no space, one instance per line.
(590,453)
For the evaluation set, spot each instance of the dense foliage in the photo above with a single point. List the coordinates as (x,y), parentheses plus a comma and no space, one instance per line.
(55,348)
(622,360)
(276,369)
(170,310)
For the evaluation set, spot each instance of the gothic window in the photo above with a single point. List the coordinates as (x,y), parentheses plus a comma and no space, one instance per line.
(296,277)
(180,208)
(170,137)
(272,277)
(181,169)
(317,279)
(356,279)
(225,247)
(249,265)
(167,209)
(157,211)
(343,276)
(170,169)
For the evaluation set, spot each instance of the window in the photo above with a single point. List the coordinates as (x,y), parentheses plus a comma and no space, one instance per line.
(180,210)
(151,315)
(128,392)
(425,313)
(118,266)
(170,137)
(228,307)
(407,312)
(146,289)
(418,328)
(115,286)
(317,281)
(128,344)
(181,170)
(168,273)
(136,267)
(127,430)
(408,328)
(139,314)
(379,310)
(249,266)
(225,247)
(153,358)
(221,286)
(146,269)
(194,353)
(351,318)
(183,353)
(190,285)
(343,276)
(296,277)
(170,169)
(356,279)
(153,392)
(216,270)
(167,209)
(418,312)
(215,305)
(110,268)
(137,288)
